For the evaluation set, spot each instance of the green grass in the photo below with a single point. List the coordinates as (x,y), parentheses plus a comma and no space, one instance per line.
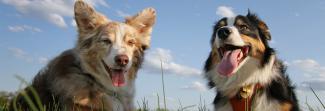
(4,100)
(163,84)
(143,104)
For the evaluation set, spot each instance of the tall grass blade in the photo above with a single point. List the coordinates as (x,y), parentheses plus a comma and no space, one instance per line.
(158,101)
(34,93)
(188,107)
(310,108)
(163,83)
(180,105)
(317,96)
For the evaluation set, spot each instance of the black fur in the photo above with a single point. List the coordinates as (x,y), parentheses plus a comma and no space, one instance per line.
(267,55)
(280,88)
(216,26)
(209,63)
(218,98)
(262,27)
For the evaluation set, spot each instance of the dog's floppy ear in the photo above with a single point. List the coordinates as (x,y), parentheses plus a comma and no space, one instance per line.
(262,27)
(143,22)
(87,18)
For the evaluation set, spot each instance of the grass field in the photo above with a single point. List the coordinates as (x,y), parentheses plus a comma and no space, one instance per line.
(143,104)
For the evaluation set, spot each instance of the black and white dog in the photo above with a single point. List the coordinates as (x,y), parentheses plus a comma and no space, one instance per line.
(245,70)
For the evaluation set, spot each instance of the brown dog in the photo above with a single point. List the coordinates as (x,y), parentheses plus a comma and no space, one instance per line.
(99,72)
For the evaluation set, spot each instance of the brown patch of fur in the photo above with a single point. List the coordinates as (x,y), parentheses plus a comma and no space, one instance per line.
(257,47)
(286,106)
(87,18)
(213,59)
(264,29)
(143,22)
(86,101)
(216,55)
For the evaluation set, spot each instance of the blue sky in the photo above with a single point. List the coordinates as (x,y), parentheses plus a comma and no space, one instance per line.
(33,32)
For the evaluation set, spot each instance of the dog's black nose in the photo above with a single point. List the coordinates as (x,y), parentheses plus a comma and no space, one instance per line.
(223,33)
(121,60)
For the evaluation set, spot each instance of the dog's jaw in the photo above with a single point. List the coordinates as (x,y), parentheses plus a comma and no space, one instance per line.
(231,57)
(249,72)
(117,76)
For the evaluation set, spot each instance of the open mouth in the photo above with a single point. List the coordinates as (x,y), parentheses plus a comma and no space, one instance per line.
(117,75)
(231,56)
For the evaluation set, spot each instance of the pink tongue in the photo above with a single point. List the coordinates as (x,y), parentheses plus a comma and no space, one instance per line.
(118,78)
(230,62)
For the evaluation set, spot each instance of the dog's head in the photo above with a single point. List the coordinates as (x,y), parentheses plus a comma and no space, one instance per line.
(239,47)
(236,38)
(115,45)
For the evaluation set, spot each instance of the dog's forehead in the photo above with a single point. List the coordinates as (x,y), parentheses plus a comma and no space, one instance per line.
(231,21)
(119,28)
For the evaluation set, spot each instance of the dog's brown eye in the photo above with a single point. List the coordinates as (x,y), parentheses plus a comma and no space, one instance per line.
(106,41)
(144,47)
(131,42)
(243,27)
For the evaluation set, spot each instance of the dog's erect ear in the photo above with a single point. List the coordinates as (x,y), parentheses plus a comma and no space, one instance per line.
(143,22)
(87,18)
(262,27)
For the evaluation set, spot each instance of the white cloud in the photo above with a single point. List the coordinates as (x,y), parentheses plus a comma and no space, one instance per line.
(57,20)
(21,54)
(16,28)
(43,60)
(73,23)
(225,11)
(122,14)
(314,73)
(286,63)
(315,84)
(21,28)
(152,64)
(53,11)
(98,2)
(310,66)
(198,86)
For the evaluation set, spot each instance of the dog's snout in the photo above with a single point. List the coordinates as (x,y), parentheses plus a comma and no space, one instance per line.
(224,33)
(121,60)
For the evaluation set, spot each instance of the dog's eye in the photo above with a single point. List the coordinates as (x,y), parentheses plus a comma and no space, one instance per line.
(131,42)
(106,41)
(243,27)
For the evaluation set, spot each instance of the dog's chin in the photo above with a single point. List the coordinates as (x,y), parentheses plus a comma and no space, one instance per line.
(117,75)
(232,58)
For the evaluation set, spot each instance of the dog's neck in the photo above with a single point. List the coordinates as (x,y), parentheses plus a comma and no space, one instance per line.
(244,98)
